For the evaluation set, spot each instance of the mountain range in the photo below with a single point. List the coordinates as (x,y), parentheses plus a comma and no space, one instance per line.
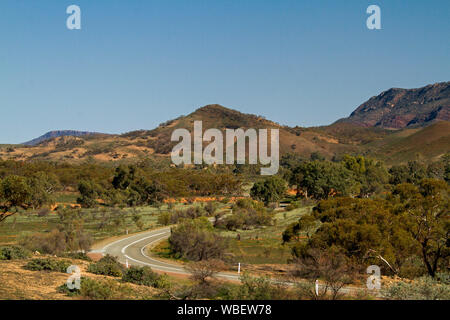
(403,108)
(396,126)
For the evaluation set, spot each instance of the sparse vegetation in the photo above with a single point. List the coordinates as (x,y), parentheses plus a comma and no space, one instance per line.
(48,264)
(107,266)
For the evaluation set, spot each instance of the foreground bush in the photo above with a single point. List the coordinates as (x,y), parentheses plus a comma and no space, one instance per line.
(13,253)
(98,290)
(48,264)
(108,266)
(256,288)
(425,288)
(145,276)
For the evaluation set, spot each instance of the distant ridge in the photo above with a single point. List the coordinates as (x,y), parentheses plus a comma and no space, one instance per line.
(420,118)
(404,108)
(56,134)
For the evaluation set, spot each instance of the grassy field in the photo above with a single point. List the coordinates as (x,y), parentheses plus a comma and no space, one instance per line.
(258,246)
(264,245)
(100,222)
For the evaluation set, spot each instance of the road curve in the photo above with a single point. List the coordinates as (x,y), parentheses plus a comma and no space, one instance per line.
(133,250)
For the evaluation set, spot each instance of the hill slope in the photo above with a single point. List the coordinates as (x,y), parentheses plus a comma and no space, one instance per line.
(401,108)
(343,137)
(413,144)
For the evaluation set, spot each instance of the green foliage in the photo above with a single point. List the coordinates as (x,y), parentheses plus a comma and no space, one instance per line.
(42,186)
(145,276)
(305,225)
(371,176)
(104,290)
(108,266)
(424,213)
(271,189)
(13,253)
(15,191)
(196,240)
(90,192)
(413,173)
(412,222)
(47,264)
(321,179)
(164,218)
(76,255)
(247,214)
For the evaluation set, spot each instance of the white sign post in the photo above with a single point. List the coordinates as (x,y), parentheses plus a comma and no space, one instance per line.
(317,287)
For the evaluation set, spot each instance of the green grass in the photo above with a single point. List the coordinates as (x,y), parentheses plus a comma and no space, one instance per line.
(67,197)
(264,245)
(21,224)
(258,246)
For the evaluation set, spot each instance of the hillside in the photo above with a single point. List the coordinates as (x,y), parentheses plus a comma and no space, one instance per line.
(343,137)
(295,140)
(404,108)
(413,144)
(137,145)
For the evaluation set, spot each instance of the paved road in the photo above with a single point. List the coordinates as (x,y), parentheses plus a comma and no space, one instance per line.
(133,249)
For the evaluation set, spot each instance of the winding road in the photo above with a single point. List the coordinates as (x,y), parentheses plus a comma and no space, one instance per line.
(133,250)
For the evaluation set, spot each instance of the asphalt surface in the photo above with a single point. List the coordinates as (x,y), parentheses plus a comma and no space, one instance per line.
(133,249)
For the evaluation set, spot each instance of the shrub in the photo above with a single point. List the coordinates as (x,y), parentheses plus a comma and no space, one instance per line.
(203,270)
(97,290)
(13,253)
(76,255)
(425,288)
(247,218)
(48,264)
(145,276)
(196,240)
(211,207)
(256,288)
(164,218)
(53,242)
(108,266)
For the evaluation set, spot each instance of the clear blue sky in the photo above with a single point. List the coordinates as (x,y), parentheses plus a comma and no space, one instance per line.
(138,63)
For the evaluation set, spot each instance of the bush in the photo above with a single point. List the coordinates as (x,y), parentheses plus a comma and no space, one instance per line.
(13,253)
(254,288)
(196,240)
(164,218)
(98,290)
(425,288)
(247,218)
(53,242)
(47,264)
(76,255)
(145,276)
(108,266)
